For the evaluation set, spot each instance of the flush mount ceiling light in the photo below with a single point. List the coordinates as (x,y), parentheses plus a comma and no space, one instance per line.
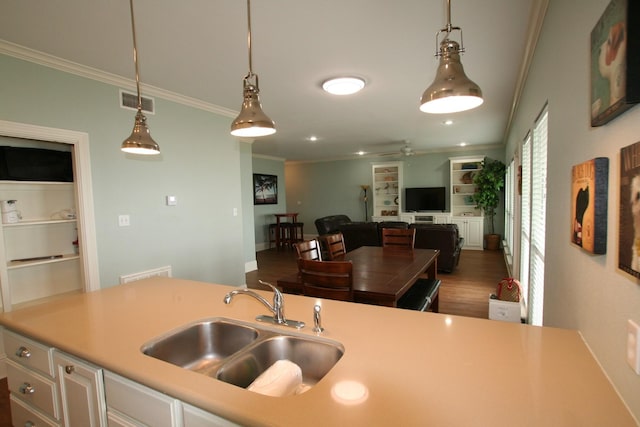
(140,141)
(343,85)
(252,121)
(451,91)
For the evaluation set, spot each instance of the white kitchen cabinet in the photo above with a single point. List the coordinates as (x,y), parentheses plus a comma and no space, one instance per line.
(471,228)
(130,403)
(51,388)
(30,377)
(196,417)
(386,191)
(81,392)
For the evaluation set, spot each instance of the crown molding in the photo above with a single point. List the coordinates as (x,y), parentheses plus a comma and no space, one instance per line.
(50,61)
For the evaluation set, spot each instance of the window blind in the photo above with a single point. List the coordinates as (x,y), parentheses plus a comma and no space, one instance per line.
(525,217)
(538,219)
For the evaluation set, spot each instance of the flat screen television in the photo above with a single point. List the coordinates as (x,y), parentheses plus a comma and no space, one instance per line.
(425,199)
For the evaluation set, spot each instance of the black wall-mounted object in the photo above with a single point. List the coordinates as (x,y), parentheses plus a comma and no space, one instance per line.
(35,164)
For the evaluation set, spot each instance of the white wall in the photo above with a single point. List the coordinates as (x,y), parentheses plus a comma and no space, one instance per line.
(318,189)
(582,291)
(199,164)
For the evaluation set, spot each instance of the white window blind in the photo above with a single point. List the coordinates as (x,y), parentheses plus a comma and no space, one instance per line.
(538,218)
(525,217)
(509,214)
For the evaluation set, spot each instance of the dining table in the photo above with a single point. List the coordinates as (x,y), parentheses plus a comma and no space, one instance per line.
(381,276)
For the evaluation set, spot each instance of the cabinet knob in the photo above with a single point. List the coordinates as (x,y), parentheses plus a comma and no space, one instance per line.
(69,369)
(27,388)
(29,424)
(23,352)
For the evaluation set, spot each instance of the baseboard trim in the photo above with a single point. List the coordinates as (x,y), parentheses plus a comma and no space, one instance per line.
(250,266)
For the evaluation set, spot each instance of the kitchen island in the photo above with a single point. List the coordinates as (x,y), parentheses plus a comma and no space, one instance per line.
(416,368)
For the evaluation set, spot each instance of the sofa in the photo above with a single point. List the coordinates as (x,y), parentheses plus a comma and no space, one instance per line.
(330,224)
(444,237)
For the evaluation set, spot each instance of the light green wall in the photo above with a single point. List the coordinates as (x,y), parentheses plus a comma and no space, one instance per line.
(249,239)
(263,214)
(582,291)
(328,188)
(199,164)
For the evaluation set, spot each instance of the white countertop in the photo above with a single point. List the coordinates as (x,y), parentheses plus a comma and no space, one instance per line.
(418,368)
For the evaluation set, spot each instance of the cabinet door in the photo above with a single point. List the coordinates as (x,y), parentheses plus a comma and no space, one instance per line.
(471,230)
(474,232)
(196,417)
(81,392)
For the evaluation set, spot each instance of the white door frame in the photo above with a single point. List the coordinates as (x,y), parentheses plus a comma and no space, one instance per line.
(79,142)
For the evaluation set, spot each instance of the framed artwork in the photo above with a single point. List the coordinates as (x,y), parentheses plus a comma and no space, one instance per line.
(629,240)
(265,189)
(615,61)
(589,191)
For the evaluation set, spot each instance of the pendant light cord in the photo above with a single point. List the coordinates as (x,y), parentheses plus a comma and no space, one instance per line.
(135,56)
(448,29)
(250,74)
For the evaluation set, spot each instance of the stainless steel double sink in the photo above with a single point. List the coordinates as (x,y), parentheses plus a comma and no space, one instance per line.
(237,352)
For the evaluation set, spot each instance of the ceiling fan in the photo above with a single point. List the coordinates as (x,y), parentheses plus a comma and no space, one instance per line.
(405,150)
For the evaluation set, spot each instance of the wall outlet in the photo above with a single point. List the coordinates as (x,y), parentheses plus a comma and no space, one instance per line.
(633,346)
(123,221)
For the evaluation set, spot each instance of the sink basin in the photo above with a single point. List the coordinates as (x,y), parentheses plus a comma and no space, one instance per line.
(202,346)
(315,359)
(237,353)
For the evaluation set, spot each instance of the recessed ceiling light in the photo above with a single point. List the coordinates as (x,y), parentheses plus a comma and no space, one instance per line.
(447,122)
(312,138)
(361,153)
(462,144)
(343,85)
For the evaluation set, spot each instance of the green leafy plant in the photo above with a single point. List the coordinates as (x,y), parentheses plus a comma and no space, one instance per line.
(489,182)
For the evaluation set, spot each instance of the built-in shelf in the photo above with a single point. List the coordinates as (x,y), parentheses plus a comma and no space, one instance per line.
(45,260)
(26,223)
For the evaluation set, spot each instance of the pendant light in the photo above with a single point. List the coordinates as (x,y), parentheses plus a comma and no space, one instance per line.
(451,91)
(140,141)
(252,121)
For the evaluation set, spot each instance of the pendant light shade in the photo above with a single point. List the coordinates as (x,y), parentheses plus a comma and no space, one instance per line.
(140,141)
(252,121)
(451,91)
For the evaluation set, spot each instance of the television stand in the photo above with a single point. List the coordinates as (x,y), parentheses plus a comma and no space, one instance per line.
(426,217)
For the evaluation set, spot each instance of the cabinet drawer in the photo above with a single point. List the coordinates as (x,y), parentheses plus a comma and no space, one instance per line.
(139,402)
(33,388)
(22,415)
(28,353)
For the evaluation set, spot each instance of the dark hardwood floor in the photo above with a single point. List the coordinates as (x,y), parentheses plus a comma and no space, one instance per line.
(465,292)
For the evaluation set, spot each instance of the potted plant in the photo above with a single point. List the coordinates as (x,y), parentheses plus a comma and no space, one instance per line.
(489,183)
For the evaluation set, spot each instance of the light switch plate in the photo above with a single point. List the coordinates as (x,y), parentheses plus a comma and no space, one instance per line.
(633,346)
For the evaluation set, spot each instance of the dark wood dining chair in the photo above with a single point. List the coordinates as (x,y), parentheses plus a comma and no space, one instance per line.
(309,249)
(397,238)
(327,279)
(334,246)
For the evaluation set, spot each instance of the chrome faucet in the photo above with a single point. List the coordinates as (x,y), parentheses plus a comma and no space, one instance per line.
(277,308)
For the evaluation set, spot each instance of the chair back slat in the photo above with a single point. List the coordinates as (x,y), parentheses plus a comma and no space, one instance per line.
(334,246)
(398,238)
(327,279)
(309,249)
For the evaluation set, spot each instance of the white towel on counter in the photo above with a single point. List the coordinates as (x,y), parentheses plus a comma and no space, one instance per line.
(281,379)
